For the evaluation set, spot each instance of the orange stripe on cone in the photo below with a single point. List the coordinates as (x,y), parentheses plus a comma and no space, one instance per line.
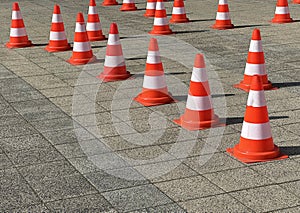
(109,3)
(82,51)
(155,90)
(255,64)
(199,112)
(128,5)
(256,142)
(114,64)
(178,12)
(18,35)
(93,25)
(223,20)
(161,24)
(58,39)
(282,13)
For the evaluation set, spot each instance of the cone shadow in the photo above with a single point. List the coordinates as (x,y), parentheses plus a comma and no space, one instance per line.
(286,84)
(290,150)
(190,31)
(239,120)
(251,25)
(40,45)
(202,20)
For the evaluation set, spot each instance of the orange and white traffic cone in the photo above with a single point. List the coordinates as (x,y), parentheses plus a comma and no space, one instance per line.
(18,35)
(150,8)
(114,64)
(255,64)
(296,2)
(223,20)
(282,13)
(199,112)
(109,3)
(58,39)
(128,5)
(178,13)
(161,24)
(82,51)
(256,142)
(155,90)
(93,25)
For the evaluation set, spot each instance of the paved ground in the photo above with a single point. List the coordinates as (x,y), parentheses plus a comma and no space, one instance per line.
(117,156)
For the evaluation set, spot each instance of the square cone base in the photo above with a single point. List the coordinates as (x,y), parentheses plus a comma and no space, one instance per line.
(110,78)
(154,101)
(282,21)
(98,38)
(58,49)
(81,61)
(164,32)
(222,27)
(246,87)
(184,20)
(19,45)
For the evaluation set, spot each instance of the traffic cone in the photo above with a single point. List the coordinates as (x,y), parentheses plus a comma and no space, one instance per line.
(296,2)
(161,24)
(128,5)
(155,90)
(93,25)
(199,112)
(282,12)
(223,20)
(256,142)
(109,3)
(18,35)
(150,8)
(178,13)
(58,39)
(114,64)
(82,51)
(255,64)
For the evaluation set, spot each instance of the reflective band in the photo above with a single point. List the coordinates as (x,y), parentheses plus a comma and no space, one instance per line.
(255,69)
(81,46)
(160,6)
(128,1)
(93,26)
(198,103)
(113,39)
(16,15)
(17,32)
(114,61)
(256,131)
(153,57)
(92,10)
(223,16)
(151,5)
(256,98)
(199,75)
(160,21)
(80,27)
(154,82)
(56,18)
(255,46)
(178,10)
(222,2)
(282,10)
(57,36)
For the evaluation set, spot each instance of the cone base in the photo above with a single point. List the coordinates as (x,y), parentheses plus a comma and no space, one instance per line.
(282,21)
(254,157)
(296,2)
(76,61)
(199,125)
(222,27)
(19,45)
(98,38)
(186,20)
(58,49)
(246,87)
(109,78)
(109,4)
(165,32)
(167,99)
(149,14)
(128,9)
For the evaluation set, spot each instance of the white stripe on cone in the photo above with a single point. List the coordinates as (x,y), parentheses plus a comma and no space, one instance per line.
(282,10)
(198,103)
(93,26)
(255,69)
(114,61)
(153,57)
(160,21)
(256,131)
(160,6)
(154,82)
(199,75)
(16,15)
(222,2)
(128,1)
(256,99)
(151,5)
(81,46)
(223,16)
(17,32)
(178,10)
(255,46)
(92,10)
(55,36)
(80,28)
(56,18)
(113,39)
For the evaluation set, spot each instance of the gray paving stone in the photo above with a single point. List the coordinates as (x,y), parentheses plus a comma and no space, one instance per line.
(289,210)
(33,208)
(164,208)
(5,162)
(16,130)
(293,187)
(53,124)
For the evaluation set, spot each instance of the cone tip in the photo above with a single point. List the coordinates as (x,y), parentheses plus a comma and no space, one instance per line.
(56,9)
(92,3)
(199,61)
(153,45)
(256,83)
(16,6)
(113,28)
(79,17)
(256,34)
